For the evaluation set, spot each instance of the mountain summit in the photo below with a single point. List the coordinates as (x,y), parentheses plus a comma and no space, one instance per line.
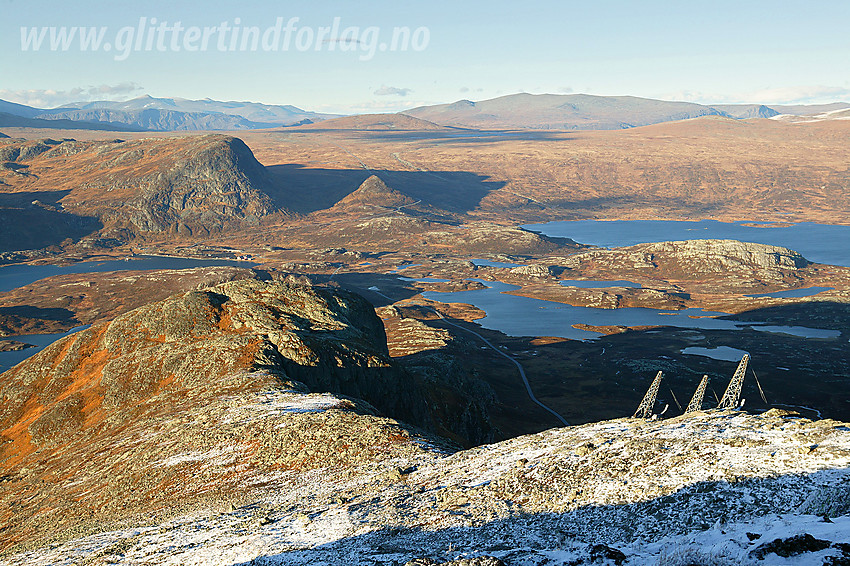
(560,112)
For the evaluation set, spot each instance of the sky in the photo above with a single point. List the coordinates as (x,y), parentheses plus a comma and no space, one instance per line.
(341,56)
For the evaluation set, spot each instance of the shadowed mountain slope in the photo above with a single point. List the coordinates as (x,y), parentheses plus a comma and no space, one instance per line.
(191,186)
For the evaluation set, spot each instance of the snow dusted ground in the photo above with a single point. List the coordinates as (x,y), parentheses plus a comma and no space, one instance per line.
(712,488)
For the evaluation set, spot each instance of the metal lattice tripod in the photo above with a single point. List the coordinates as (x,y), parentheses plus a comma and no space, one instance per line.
(644,410)
(732,398)
(699,394)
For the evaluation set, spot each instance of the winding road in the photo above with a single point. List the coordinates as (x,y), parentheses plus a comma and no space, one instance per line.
(514,361)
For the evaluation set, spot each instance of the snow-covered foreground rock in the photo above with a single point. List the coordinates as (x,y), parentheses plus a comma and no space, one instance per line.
(709,488)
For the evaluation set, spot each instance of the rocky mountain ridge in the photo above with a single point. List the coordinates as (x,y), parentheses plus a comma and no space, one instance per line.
(95,427)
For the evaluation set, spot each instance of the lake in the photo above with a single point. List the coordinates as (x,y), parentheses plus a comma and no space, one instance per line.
(524,316)
(40,341)
(821,243)
(793,293)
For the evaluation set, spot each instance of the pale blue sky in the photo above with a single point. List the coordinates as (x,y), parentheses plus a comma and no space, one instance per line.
(769,52)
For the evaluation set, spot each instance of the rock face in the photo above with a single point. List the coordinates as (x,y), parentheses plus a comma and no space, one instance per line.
(196,398)
(724,255)
(198,185)
(459,401)
(689,490)
(533,270)
(738,263)
(373,192)
(206,184)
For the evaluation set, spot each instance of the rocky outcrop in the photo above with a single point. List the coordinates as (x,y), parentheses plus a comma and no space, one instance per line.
(742,264)
(609,297)
(533,270)
(63,302)
(724,255)
(211,183)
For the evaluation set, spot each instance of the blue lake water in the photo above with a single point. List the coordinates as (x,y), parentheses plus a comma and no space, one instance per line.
(592,284)
(793,293)
(14,276)
(524,316)
(40,341)
(821,243)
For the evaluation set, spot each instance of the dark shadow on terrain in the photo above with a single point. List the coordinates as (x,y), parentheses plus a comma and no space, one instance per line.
(389,288)
(814,314)
(693,508)
(26,320)
(642,201)
(26,311)
(33,220)
(607,378)
(456,135)
(304,190)
(810,375)
(25,199)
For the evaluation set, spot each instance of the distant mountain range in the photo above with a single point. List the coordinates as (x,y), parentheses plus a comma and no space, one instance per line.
(515,111)
(147,113)
(8,120)
(588,112)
